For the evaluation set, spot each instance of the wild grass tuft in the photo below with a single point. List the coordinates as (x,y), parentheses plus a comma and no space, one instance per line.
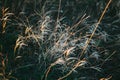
(57,40)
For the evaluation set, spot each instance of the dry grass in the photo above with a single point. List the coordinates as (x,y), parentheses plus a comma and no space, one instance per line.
(55,43)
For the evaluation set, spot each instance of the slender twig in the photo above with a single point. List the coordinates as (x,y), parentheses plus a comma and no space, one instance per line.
(58,16)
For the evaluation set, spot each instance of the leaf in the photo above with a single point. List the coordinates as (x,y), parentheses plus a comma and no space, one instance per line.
(18,57)
(96,68)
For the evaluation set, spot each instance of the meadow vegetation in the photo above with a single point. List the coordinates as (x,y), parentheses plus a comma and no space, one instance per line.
(59,39)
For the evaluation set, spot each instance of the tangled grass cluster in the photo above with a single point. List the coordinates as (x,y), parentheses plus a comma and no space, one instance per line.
(56,48)
(58,45)
(54,44)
